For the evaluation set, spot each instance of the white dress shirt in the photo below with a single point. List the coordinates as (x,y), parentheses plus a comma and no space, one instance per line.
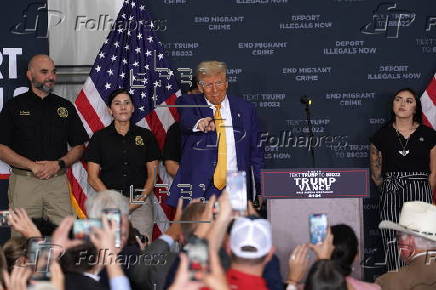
(226,114)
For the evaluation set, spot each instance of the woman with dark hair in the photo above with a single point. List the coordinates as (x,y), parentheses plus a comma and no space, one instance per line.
(124,157)
(403,164)
(324,275)
(346,246)
(345,251)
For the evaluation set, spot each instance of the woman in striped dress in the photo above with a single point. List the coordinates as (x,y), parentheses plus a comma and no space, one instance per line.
(403,165)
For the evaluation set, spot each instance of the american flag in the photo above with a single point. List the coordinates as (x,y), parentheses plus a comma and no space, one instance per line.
(133,58)
(428,101)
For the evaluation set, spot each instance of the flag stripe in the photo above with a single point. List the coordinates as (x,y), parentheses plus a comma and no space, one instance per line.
(76,175)
(430,114)
(76,207)
(165,117)
(97,102)
(88,112)
(156,127)
(431,90)
(428,102)
(172,101)
(425,121)
(85,124)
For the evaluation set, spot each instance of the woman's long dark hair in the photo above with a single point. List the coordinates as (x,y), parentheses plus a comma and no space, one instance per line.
(418,113)
(346,245)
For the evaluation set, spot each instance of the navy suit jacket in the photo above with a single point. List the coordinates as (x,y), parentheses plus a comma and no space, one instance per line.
(200,150)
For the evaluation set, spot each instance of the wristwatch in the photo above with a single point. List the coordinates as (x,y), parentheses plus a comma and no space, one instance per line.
(61,164)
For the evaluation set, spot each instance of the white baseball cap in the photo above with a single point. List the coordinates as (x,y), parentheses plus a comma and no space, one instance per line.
(254,233)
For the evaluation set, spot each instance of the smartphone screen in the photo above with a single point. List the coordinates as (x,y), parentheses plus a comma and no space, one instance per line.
(83,227)
(113,215)
(4,214)
(318,225)
(237,189)
(197,251)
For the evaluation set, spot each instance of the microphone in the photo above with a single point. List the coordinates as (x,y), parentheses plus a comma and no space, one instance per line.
(305,101)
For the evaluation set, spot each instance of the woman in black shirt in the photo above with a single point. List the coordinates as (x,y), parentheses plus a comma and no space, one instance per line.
(124,157)
(403,164)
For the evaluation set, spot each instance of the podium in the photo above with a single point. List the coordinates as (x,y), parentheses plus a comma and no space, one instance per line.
(294,194)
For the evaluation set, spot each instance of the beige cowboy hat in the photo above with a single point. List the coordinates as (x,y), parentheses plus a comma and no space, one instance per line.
(416,218)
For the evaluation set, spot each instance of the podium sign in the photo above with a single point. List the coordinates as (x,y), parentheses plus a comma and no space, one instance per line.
(301,183)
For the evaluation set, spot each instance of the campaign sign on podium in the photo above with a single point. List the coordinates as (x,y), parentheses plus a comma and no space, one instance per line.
(315,183)
(294,194)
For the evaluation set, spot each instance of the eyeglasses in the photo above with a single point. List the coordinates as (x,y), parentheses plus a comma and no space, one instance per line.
(218,84)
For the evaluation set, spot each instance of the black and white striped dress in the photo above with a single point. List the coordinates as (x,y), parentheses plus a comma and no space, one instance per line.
(405,169)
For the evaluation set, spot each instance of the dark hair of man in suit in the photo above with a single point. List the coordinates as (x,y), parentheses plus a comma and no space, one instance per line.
(79,259)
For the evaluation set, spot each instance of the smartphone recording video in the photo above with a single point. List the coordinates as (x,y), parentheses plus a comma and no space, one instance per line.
(113,216)
(197,251)
(237,189)
(318,226)
(82,228)
(4,215)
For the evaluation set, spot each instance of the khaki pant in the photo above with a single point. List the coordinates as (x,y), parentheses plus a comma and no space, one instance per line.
(142,218)
(41,198)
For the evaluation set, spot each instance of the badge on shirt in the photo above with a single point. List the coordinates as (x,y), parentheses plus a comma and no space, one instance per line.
(24,113)
(62,112)
(139,141)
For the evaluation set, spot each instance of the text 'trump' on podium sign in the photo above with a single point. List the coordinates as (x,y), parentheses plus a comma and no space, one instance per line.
(315,183)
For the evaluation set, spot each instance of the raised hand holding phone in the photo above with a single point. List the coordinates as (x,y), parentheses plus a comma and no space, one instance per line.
(325,249)
(237,189)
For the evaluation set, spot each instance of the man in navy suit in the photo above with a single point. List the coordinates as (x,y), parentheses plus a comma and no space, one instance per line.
(197,176)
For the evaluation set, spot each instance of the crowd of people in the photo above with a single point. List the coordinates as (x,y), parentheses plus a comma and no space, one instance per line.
(210,249)
(207,245)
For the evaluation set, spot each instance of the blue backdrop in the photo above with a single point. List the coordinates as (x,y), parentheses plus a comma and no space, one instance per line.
(348,56)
